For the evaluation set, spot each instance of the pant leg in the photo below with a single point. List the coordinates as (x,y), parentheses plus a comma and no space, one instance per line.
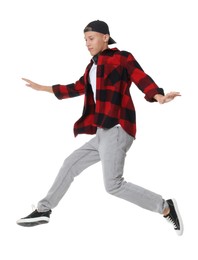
(114,144)
(79,160)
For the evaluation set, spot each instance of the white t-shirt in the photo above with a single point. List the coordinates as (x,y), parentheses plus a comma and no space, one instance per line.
(92,79)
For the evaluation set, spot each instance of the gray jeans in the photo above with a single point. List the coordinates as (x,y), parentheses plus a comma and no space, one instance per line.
(110,147)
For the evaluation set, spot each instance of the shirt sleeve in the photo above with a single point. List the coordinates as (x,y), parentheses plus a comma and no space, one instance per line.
(143,81)
(70,90)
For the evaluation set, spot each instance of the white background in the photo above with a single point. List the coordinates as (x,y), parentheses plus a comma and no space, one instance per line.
(44,41)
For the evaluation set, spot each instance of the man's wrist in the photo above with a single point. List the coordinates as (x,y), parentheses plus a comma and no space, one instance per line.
(46,89)
(159,98)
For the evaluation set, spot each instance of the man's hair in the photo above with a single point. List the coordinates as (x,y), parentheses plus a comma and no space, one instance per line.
(88,29)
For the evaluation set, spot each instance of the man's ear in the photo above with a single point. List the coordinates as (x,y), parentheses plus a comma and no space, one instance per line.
(106,37)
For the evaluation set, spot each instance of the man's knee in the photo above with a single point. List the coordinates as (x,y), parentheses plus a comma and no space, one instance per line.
(113,186)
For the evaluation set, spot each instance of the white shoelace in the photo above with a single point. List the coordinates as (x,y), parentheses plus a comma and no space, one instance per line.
(170,220)
(33,207)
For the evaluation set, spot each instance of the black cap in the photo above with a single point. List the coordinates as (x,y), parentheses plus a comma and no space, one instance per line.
(100,27)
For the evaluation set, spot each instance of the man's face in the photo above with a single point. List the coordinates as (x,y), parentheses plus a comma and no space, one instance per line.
(96,42)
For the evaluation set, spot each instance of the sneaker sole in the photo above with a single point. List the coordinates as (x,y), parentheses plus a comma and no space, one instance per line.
(179,232)
(33,222)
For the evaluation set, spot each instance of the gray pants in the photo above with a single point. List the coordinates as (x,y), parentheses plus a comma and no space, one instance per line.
(110,147)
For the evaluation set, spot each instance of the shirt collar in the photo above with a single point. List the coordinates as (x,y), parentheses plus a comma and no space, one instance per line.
(95,59)
(105,52)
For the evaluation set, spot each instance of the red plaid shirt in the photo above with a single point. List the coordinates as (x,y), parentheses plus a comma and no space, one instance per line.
(116,70)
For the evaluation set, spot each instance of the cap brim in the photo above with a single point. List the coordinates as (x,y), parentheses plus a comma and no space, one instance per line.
(111,41)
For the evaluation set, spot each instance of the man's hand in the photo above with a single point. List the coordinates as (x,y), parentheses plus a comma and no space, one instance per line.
(38,87)
(167,98)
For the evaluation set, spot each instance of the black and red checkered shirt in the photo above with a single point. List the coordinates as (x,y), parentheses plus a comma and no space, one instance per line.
(116,70)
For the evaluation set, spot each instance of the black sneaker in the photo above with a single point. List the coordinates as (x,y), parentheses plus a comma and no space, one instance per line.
(174,217)
(35,218)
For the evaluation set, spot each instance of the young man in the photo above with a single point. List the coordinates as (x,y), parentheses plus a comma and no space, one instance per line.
(108,113)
